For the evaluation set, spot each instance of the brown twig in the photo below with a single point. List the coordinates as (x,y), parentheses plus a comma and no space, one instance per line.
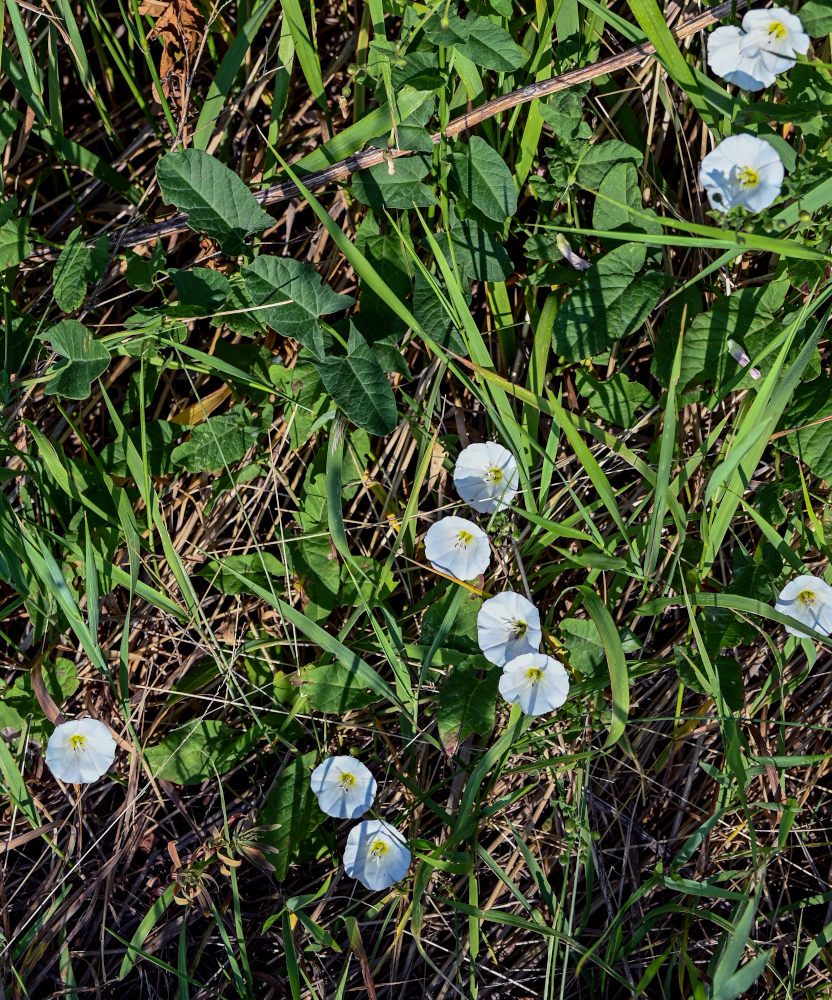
(370,157)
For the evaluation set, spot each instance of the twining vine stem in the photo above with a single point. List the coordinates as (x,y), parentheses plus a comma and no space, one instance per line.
(370,157)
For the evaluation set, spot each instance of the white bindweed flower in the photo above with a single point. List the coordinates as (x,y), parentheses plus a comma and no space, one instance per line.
(773,36)
(344,786)
(742,170)
(538,683)
(457,547)
(809,600)
(485,476)
(376,854)
(728,60)
(80,751)
(507,626)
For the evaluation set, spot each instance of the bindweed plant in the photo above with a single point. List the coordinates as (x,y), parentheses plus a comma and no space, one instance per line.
(416,420)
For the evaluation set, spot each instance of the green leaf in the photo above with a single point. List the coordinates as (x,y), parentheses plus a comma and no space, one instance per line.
(214,198)
(14,244)
(292,807)
(201,289)
(304,398)
(616,399)
(432,315)
(86,359)
(610,302)
(360,388)
(563,113)
(229,574)
(811,413)
(478,254)
(816,17)
(293,297)
(195,752)
(332,689)
(379,188)
(219,441)
(466,705)
(747,311)
(487,44)
(70,270)
(485,180)
(600,158)
(142,270)
(618,204)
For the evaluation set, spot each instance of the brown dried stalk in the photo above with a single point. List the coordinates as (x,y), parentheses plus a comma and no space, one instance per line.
(370,157)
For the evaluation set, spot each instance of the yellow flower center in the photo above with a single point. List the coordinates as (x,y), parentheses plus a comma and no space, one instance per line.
(777,30)
(534,674)
(748,177)
(495,474)
(806,597)
(347,781)
(518,629)
(465,538)
(379,849)
(77,742)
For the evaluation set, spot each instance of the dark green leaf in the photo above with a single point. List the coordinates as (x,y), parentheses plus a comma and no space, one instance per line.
(142,270)
(811,413)
(490,46)
(70,268)
(609,303)
(478,254)
(85,360)
(563,113)
(219,441)
(14,243)
(466,705)
(194,753)
(264,568)
(816,17)
(292,807)
(379,188)
(293,298)
(360,388)
(333,689)
(214,198)
(597,160)
(616,399)
(485,180)
(202,289)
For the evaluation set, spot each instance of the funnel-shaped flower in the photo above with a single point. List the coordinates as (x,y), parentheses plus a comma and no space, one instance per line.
(809,600)
(742,170)
(80,751)
(376,854)
(774,36)
(507,626)
(458,547)
(538,683)
(344,786)
(485,476)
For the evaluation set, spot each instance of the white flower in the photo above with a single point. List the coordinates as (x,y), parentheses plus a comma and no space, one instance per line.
(457,547)
(809,600)
(742,170)
(727,59)
(344,786)
(538,683)
(773,36)
(485,476)
(507,626)
(80,751)
(376,854)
